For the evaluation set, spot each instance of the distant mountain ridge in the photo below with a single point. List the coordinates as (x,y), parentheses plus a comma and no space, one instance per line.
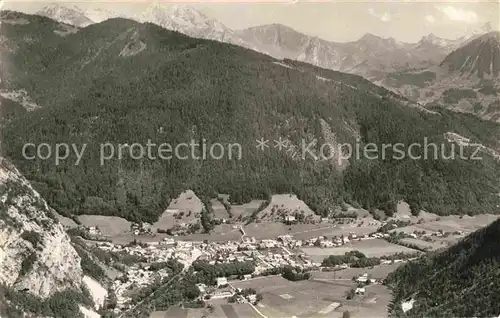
(480,57)
(69,15)
(371,56)
(466,80)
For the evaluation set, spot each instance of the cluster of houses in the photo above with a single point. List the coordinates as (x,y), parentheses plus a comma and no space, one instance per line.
(141,229)
(136,277)
(429,235)
(266,254)
(338,241)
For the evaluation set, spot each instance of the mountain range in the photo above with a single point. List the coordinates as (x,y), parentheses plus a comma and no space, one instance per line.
(370,56)
(467,80)
(432,71)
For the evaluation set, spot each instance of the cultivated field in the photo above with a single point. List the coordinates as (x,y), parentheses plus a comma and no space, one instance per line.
(108,225)
(282,298)
(373,304)
(377,272)
(185,209)
(219,209)
(266,230)
(219,311)
(452,223)
(403,213)
(245,210)
(371,248)
(221,233)
(285,204)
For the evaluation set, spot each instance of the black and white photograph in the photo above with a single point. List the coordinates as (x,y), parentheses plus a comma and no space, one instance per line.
(249,159)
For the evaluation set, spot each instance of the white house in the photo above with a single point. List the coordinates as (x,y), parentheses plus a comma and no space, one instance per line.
(363,278)
(360,291)
(221,281)
(252,298)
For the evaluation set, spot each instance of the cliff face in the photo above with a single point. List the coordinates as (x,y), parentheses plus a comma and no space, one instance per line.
(35,252)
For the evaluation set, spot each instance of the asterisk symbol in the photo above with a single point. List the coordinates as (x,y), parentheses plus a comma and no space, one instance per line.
(280,144)
(262,144)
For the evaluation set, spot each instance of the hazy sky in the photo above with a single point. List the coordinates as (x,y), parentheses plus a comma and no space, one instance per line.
(332,20)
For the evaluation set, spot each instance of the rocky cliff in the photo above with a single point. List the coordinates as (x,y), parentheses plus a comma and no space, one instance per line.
(35,252)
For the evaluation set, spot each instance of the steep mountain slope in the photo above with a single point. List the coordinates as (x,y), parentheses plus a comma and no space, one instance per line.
(55,264)
(139,83)
(467,80)
(38,264)
(370,56)
(479,58)
(461,281)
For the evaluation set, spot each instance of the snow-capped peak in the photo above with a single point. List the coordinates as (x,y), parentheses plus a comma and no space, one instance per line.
(182,18)
(98,15)
(69,15)
(190,21)
(434,40)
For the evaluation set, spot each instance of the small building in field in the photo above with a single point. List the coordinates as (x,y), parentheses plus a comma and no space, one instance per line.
(221,281)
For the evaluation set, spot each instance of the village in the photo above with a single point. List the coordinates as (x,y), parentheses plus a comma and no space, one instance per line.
(342,260)
(266,254)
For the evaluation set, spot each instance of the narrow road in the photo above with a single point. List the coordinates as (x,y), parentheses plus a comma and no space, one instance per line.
(254,308)
(286,250)
(257,311)
(243,234)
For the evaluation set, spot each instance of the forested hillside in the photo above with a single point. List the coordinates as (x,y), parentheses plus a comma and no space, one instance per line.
(462,281)
(124,82)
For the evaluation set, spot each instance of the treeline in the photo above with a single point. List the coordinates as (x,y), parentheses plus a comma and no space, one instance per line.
(353,258)
(288,272)
(208,274)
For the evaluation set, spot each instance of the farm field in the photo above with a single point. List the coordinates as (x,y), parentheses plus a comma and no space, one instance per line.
(219,209)
(452,223)
(245,210)
(330,230)
(108,225)
(434,245)
(373,304)
(267,230)
(219,311)
(221,233)
(282,298)
(371,248)
(282,205)
(184,209)
(377,272)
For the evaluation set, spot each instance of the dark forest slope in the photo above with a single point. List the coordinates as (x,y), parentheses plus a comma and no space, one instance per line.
(462,281)
(124,82)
